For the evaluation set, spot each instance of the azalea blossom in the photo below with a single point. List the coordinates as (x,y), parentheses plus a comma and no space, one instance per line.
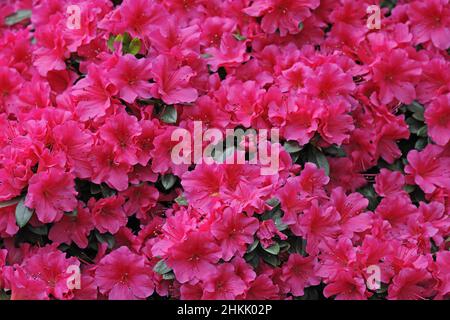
(122,275)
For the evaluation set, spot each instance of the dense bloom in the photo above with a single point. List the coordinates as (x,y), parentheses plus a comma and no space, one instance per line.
(395,74)
(74,227)
(123,275)
(51,193)
(224,285)
(234,231)
(299,273)
(431,21)
(429,169)
(130,75)
(194,257)
(438,120)
(285,15)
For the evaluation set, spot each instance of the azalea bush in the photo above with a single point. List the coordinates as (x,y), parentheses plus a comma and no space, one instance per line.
(92,205)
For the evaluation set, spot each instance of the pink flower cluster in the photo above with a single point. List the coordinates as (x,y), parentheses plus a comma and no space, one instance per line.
(89,99)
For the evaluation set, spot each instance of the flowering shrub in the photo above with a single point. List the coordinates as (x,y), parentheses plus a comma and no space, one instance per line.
(92,205)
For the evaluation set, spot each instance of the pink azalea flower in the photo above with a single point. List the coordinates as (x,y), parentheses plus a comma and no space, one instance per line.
(121,132)
(139,17)
(396,209)
(442,272)
(73,228)
(262,288)
(285,15)
(94,94)
(10,82)
(234,231)
(106,169)
(346,287)
(395,74)
(130,75)
(430,21)
(299,273)
(8,226)
(172,82)
(331,83)
(51,267)
(108,214)
(230,52)
(428,169)
(51,52)
(267,231)
(162,154)
(51,193)
(351,209)
(140,199)
(203,186)
(224,284)
(317,224)
(389,182)
(24,287)
(410,284)
(437,117)
(434,81)
(194,257)
(302,124)
(123,275)
(294,77)
(335,124)
(76,144)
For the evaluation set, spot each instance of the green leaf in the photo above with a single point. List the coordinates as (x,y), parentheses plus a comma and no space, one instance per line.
(292,146)
(107,191)
(369,193)
(168,180)
(252,258)
(134,47)
(284,246)
(23,214)
(239,37)
(95,189)
(17,17)
(253,246)
(278,223)
(106,238)
(298,245)
(4,296)
(415,107)
(110,42)
(73,213)
(409,188)
(421,144)
(63,247)
(11,202)
(161,267)
(273,202)
(169,114)
(181,200)
(126,39)
(168,276)
(423,132)
(414,125)
(336,151)
(206,55)
(273,249)
(271,259)
(41,231)
(419,116)
(316,156)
